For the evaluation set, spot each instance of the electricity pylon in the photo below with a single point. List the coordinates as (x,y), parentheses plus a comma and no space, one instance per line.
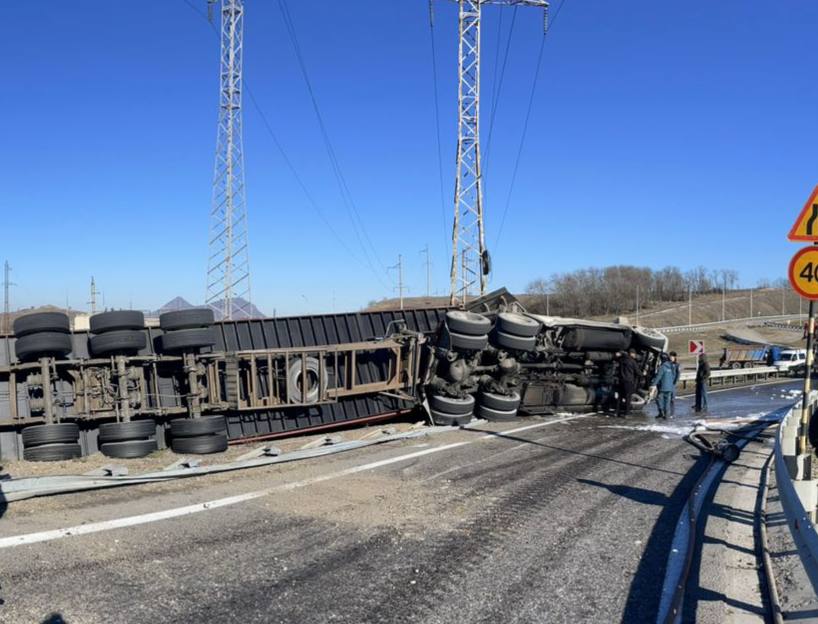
(228,266)
(469,251)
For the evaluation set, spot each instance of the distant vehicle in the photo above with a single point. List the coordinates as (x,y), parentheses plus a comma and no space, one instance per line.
(746,357)
(791,360)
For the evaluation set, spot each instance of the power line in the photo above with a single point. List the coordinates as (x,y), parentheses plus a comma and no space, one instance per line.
(355,218)
(527,119)
(444,221)
(498,89)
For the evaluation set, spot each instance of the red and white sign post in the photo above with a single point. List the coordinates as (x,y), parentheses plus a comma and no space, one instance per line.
(695,347)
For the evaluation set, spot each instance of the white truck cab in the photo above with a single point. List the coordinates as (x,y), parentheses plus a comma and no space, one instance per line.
(790,359)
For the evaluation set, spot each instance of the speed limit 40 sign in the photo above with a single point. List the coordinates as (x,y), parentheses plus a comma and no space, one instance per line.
(803,272)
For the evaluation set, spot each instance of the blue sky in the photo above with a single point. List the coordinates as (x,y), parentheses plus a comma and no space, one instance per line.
(662,133)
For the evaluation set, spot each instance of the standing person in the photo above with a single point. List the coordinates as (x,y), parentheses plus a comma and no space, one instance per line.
(664,382)
(628,382)
(702,379)
(677,370)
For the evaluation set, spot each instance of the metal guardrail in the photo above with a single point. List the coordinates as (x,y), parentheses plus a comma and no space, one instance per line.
(729,375)
(798,518)
(677,329)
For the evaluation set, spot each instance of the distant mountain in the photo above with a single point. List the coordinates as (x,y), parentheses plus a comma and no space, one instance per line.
(242,309)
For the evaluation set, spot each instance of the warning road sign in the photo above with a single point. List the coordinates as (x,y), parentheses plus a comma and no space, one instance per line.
(695,347)
(806,225)
(803,272)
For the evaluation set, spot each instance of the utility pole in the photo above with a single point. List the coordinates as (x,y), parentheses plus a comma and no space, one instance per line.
(228,265)
(468,233)
(751,303)
(7,284)
(428,264)
(94,292)
(723,299)
(548,304)
(399,287)
(783,301)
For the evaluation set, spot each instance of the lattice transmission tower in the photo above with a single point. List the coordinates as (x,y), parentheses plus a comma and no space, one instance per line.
(470,258)
(228,267)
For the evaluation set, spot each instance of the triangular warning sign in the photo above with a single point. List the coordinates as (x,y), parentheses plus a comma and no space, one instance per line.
(806,225)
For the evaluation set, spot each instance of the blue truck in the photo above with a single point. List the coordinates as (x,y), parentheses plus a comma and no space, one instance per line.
(749,356)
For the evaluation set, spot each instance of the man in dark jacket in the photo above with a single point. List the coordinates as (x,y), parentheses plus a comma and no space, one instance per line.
(702,379)
(628,382)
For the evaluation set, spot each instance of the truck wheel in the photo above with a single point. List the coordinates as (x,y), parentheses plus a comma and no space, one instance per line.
(514,343)
(452,406)
(123,431)
(188,339)
(468,323)
(186,319)
(735,365)
(42,322)
(42,344)
(450,420)
(466,342)
(117,320)
(503,403)
(517,324)
(200,445)
(117,341)
(495,415)
(52,452)
(193,427)
(128,449)
(50,434)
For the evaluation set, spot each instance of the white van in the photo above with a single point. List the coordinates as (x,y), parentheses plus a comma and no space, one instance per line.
(790,359)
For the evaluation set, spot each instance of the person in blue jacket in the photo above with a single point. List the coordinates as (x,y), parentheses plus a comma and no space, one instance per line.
(677,370)
(665,382)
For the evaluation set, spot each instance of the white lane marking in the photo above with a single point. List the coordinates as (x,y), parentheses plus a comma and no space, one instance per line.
(129,521)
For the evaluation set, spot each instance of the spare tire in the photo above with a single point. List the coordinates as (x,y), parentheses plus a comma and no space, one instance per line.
(596,339)
(41,322)
(186,319)
(214,443)
(495,415)
(43,344)
(469,323)
(517,324)
(189,339)
(193,427)
(452,406)
(295,392)
(117,320)
(52,452)
(118,341)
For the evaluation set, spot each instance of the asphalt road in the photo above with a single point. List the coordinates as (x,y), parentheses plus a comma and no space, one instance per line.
(564,522)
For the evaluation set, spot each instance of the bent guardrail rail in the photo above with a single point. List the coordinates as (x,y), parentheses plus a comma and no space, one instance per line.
(798,497)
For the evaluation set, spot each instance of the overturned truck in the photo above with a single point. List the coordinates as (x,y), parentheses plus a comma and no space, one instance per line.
(126,389)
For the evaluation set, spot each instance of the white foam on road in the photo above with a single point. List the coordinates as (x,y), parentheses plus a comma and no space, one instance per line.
(176,512)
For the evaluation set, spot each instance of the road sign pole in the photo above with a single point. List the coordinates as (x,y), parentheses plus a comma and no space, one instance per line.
(803,442)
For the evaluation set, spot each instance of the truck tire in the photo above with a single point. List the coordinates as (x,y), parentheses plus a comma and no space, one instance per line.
(200,445)
(52,452)
(452,406)
(41,322)
(443,419)
(117,341)
(514,343)
(186,319)
(517,324)
(37,435)
(468,323)
(42,344)
(124,431)
(495,415)
(128,449)
(194,427)
(499,401)
(466,342)
(116,320)
(188,339)
(312,393)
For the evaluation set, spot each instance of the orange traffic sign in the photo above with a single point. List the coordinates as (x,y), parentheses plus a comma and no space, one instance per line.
(803,272)
(806,225)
